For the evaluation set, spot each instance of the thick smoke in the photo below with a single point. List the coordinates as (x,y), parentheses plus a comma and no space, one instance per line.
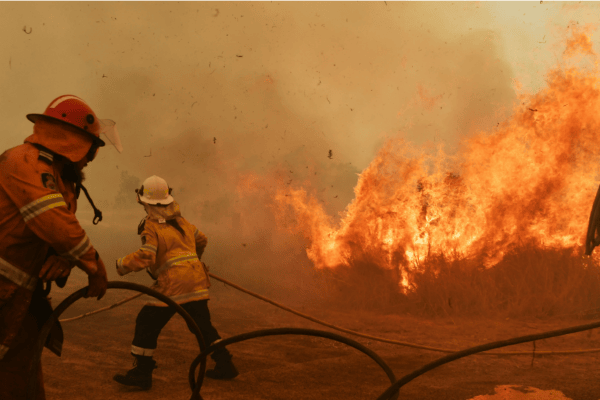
(205,93)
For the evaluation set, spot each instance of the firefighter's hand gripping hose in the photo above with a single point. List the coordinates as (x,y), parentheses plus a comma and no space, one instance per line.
(195,385)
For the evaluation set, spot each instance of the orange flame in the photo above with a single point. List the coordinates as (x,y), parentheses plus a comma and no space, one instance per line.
(530,182)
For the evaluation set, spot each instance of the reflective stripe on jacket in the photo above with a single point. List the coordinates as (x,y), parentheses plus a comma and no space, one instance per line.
(171,258)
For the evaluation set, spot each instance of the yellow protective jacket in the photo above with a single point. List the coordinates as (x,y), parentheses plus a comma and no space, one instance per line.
(172,259)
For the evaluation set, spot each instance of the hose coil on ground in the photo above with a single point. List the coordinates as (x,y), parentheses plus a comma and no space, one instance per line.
(391,392)
(195,384)
(66,303)
(478,349)
(293,331)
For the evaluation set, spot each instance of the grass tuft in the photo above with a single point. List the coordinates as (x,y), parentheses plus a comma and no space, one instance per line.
(528,282)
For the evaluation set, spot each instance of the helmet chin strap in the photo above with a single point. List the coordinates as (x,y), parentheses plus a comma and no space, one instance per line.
(97,213)
(79,185)
(71,173)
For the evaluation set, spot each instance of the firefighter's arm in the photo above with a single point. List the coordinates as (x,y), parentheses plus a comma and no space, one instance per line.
(142,258)
(31,185)
(56,267)
(201,242)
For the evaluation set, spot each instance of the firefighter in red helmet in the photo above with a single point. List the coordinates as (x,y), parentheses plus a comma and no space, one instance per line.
(40,237)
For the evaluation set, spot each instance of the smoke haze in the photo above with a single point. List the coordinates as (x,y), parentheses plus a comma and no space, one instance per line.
(204,93)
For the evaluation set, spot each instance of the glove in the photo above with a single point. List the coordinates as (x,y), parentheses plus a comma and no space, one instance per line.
(121,270)
(55,267)
(97,281)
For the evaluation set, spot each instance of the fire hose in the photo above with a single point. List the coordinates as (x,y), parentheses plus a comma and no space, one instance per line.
(391,392)
(195,385)
(477,349)
(351,332)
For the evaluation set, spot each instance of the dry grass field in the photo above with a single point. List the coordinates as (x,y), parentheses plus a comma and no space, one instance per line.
(300,367)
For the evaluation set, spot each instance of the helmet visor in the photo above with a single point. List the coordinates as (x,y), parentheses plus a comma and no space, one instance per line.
(109,129)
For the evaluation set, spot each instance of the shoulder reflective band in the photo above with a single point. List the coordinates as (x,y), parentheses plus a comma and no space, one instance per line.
(17,276)
(41,205)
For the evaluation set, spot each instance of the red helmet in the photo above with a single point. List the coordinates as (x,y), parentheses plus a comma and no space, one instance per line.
(72,110)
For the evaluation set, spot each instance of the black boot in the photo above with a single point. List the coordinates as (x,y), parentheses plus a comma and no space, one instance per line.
(140,375)
(224,368)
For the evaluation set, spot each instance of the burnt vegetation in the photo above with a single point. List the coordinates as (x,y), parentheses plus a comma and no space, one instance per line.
(528,282)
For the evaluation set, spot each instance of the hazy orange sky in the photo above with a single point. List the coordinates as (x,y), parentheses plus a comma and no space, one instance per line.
(202,91)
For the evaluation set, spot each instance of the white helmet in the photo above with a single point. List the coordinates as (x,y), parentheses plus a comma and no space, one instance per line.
(155,190)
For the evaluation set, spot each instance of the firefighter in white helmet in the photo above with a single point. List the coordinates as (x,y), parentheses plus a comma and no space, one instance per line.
(170,252)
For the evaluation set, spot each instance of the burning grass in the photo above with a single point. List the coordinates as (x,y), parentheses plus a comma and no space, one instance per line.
(528,282)
(494,229)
